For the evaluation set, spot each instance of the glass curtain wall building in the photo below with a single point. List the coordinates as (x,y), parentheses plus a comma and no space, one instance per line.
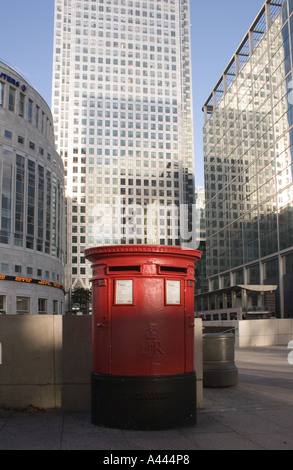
(122,106)
(248,140)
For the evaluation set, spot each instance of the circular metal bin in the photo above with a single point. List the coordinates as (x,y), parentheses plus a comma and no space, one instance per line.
(219,369)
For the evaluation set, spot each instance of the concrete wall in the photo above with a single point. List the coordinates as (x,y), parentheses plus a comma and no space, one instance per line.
(198,361)
(76,362)
(255,333)
(31,369)
(47,361)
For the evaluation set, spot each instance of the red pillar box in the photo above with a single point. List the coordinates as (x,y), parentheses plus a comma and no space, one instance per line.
(143,336)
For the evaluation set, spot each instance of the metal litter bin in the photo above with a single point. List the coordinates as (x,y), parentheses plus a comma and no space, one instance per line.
(219,368)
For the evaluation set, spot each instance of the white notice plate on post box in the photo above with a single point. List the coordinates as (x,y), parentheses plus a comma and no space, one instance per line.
(124,292)
(173,293)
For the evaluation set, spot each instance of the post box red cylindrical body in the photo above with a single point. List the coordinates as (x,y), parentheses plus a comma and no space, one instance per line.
(143,334)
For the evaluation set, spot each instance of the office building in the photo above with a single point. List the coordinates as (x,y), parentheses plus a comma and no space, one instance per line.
(122,107)
(201,284)
(32,225)
(248,174)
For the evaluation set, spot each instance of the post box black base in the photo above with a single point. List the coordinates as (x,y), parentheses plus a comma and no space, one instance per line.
(145,403)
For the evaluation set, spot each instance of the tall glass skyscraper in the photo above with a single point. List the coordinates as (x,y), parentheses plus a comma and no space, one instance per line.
(122,107)
(248,138)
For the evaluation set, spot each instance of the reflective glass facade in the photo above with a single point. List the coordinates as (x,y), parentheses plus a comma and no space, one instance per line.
(248,138)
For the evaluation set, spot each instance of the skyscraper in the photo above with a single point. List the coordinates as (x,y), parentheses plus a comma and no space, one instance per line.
(248,173)
(122,107)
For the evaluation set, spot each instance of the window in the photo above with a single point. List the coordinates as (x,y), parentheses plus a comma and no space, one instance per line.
(272,269)
(37,116)
(55,307)
(289,263)
(22,305)
(42,303)
(254,274)
(6,202)
(30,111)
(1,95)
(19,201)
(21,104)
(4,267)
(8,134)
(11,99)
(2,304)
(31,210)
(17,269)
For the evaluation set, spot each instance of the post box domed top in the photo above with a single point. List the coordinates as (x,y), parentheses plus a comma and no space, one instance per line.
(159,250)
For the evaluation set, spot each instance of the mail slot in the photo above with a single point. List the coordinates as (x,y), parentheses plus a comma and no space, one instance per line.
(143,336)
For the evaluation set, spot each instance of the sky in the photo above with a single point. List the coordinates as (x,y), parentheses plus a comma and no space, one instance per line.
(217,30)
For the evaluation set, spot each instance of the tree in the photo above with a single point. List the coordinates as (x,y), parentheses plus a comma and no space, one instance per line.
(82,297)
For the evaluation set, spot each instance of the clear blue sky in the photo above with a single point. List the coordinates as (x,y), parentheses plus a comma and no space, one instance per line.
(217,29)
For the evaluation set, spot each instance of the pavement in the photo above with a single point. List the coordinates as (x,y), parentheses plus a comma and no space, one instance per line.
(256,414)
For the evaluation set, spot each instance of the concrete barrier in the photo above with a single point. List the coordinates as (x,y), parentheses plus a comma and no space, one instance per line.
(31,369)
(255,333)
(47,361)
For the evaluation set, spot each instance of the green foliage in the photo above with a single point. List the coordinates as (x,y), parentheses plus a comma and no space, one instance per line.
(82,297)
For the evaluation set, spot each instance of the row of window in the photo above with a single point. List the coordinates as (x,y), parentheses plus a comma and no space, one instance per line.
(102,19)
(29,271)
(160,36)
(270,268)
(151,56)
(23,306)
(139,233)
(157,121)
(141,10)
(92,5)
(130,182)
(153,144)
(81,199)
(124,71)
(153,49)
(255,241)
(130,155)
(121,16)
(31,145)
(123,191)
(155,118)
(119,75)
(31,205)
(138,135)
(17,102)
(113,163)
